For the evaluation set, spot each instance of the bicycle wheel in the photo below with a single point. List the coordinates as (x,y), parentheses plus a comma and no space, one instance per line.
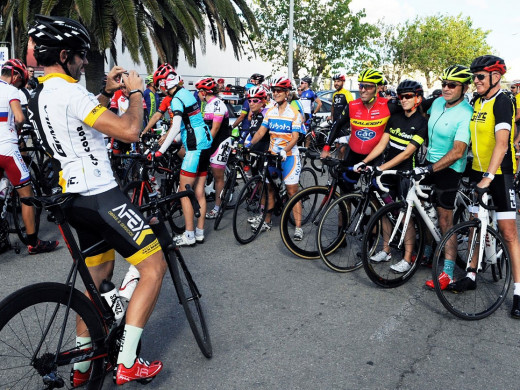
(384,226)
(493,280)
(189,298)
(172,211)
(340,232)
(250,204)
(15,207)
(225,197)
(314,202)
(308,178)
(137,192)
(31,322)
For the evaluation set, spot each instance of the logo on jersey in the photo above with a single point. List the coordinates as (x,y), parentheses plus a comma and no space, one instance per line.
(280,126)
(479,117)
(56,145)
(358,122)
(365,134)
(512,198)
(131,222)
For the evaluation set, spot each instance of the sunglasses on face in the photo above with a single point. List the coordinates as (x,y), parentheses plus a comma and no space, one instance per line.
(514,87)
(479,76)
(278,90)
(367,87)
(450,85)
(82,54)
(406,96)
(254,100)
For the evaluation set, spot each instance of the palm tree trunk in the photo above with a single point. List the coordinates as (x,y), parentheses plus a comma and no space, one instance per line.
(95,71)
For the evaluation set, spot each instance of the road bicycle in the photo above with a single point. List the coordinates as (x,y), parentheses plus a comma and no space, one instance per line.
(482,250)
(252,200)
(38,322)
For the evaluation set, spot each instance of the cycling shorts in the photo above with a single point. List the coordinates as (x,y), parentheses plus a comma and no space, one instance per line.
(220,156)
(11,162)
(446,183)
(502,190)
(112,218)
(291,169)
(195,163)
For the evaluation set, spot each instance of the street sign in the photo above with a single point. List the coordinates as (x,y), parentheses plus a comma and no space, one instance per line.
(4,55)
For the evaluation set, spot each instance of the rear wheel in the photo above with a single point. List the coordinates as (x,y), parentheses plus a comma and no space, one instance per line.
(250,205)
(31,323)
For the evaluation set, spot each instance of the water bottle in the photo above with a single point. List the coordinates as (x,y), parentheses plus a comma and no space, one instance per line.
(432,213)
(387,198)
(3,187)
(129,283)
(109,293)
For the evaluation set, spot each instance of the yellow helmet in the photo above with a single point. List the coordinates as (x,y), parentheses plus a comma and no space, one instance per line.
(371,76)
(458,73)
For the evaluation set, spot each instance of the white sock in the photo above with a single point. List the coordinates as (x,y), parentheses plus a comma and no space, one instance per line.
(517,289)
(216,208)
(199,232)
(189,234)
(83,343)
(472,275)
(129,342)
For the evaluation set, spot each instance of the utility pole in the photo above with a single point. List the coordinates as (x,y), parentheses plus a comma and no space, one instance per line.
(290,51)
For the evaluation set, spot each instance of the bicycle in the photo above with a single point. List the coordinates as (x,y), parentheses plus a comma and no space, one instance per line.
(38,322)
(253,197)
(478,243)
(341,229)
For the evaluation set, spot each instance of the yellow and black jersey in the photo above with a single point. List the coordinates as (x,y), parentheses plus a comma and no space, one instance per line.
(490,115)
(339,100)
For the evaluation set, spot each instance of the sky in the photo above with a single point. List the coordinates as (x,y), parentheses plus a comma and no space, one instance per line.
(501,17)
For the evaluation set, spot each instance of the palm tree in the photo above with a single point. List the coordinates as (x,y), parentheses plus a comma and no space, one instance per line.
(171,25)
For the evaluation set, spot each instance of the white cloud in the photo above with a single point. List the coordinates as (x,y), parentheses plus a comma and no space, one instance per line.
(482,4)
(393,11)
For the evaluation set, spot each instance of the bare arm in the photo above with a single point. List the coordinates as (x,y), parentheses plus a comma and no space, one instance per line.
(405,154)
(239,119)
(499,151)
(259,134)
(19,118)
(153,120)
(292,142)
(378,149)
(215,127)
(318,105)
(453,155)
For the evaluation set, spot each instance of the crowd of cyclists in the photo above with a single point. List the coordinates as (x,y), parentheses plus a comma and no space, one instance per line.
(385,132)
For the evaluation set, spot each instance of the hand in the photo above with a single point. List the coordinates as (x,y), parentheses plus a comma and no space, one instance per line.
(113,78)
(359,167)
(283,154)
(161,140)
(133,81)
(324,154)
(421,172)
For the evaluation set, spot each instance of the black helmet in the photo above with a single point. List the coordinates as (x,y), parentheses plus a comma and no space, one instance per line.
(307,80)
(488,63)
(437,92)
(258,77)
(59,32)
(410,86)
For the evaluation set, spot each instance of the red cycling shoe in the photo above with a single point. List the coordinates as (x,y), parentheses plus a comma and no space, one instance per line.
(142,371)
(444,280)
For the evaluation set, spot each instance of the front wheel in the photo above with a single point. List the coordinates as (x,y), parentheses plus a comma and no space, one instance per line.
(250,210)
(492,281)
(32,320)
(189,297)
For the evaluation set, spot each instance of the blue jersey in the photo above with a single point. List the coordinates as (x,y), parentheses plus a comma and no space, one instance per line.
(195,133)
(246,123)
(307,98)
(152,104)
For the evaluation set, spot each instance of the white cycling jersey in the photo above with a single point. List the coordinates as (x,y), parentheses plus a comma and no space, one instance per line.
(63,113)
(8,93)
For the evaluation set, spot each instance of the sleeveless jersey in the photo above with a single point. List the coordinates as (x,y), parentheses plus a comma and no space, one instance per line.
(62,113)
(8,93)
(281,125)
(195,134)
(489,116)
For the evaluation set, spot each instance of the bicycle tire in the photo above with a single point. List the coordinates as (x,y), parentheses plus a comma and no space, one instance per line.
(189,298)
(225,197)
(373,242)
(340,232)
(241,179)
(24,316)
(493,281)
(308,178)
(249,205)
(314,202)
(16,212)
(172,211)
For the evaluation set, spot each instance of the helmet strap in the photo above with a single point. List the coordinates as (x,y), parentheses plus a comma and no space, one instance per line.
(65,63)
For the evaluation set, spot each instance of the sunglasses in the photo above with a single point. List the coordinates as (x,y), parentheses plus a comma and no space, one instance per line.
(479,76)
(367,87)
(254,100)
(406,96)
(278,90)
(82,54)
(514,87)
(450,85)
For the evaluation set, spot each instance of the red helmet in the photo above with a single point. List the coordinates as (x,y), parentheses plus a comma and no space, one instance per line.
(339,76)
(220,81)
(257,92)
(489,63)
(165,77)
(207,83)
(16,65)
(281,82)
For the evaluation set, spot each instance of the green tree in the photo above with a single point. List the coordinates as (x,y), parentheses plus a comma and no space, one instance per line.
(430,44)
(326,34)
(168,25)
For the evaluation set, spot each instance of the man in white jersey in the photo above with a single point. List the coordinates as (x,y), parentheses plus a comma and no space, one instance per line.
(13,77)
(101,211)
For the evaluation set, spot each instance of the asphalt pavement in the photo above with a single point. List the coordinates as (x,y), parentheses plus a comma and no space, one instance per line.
(279,322)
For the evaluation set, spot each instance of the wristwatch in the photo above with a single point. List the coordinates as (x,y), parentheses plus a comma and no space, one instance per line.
(488,175)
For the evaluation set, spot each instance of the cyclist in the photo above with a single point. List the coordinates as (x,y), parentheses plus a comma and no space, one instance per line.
(13,77)
(243,118)
(367,117)
(257,99)
(340,99)
(448,139)
(308,97)
(283,122)
(216,117)
(163,108)
(493,161)
(404,134)
(196,138)
(101,211)
(151,98)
